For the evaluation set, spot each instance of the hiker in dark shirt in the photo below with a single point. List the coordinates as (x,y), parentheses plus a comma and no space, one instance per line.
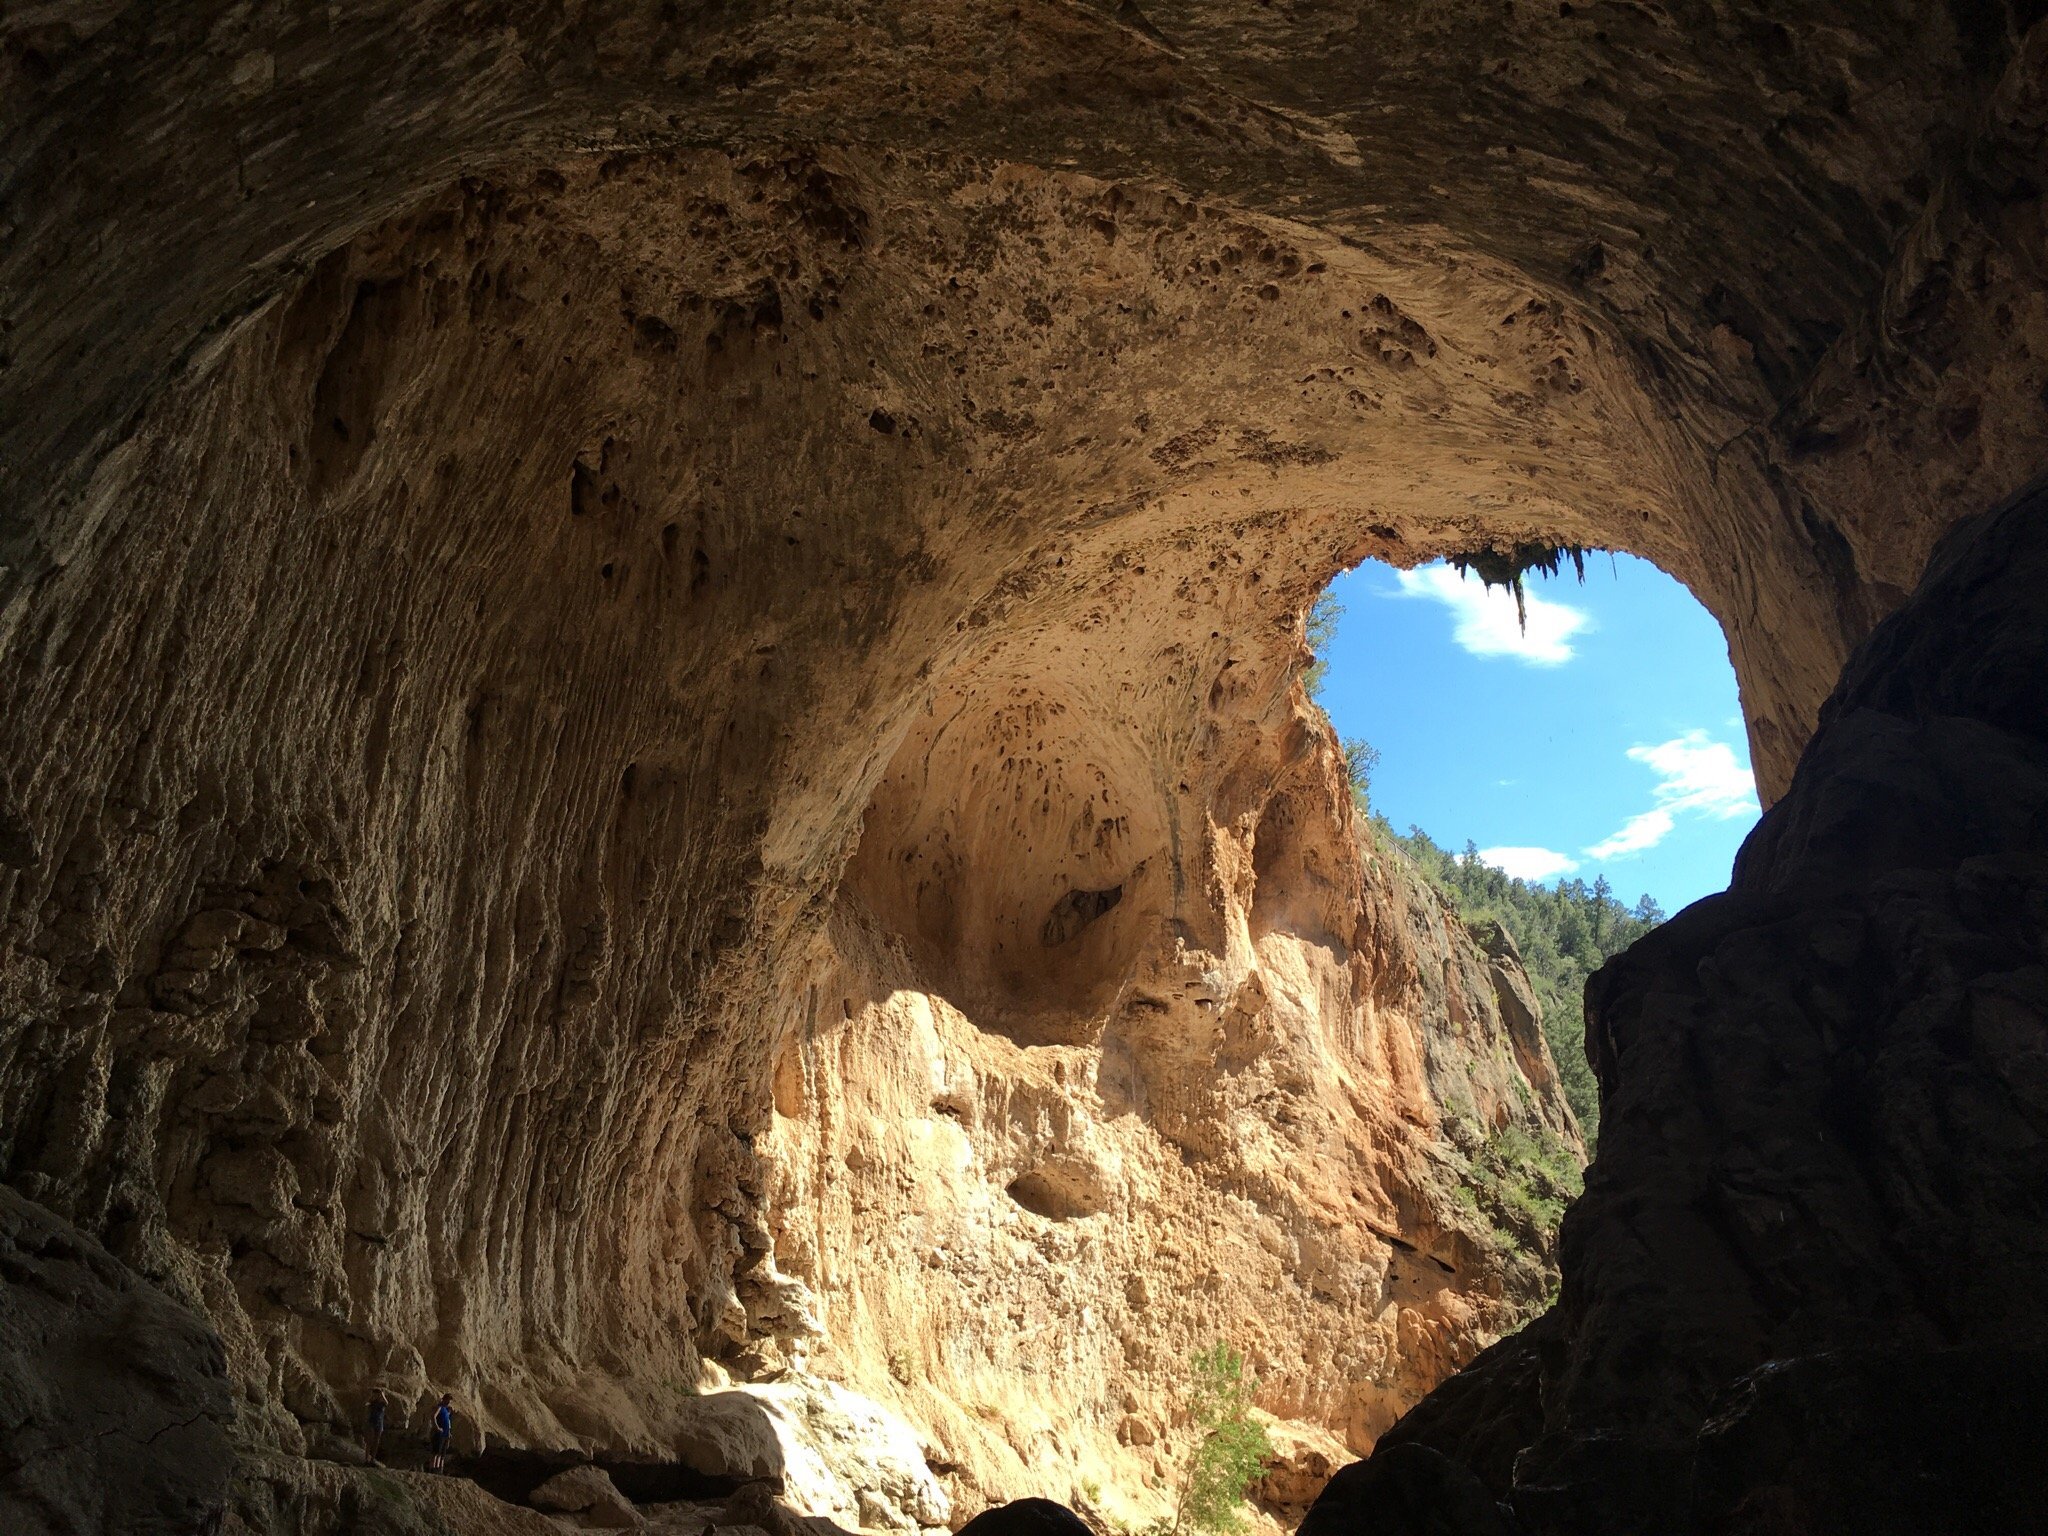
(444,1431)
(373,1429)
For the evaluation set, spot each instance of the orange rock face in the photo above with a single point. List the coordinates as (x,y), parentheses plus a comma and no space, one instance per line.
(932,930)
(651,657)
(1020,1221)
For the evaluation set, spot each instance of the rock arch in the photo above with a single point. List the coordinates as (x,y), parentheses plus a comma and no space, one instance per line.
(482,567)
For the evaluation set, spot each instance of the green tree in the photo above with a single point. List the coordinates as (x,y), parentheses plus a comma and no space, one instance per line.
(1361,758)
(1230,1452)
(1319,629)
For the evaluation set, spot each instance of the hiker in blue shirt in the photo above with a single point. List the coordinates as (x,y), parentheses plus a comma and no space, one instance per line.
(444,1431)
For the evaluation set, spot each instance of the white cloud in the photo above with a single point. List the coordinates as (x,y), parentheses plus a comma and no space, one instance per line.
(1696,776)
(1636,834)
(1529,863)
(1484,618)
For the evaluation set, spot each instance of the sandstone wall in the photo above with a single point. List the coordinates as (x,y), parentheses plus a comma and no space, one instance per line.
(503,509)
(1020,1241)
(426,849)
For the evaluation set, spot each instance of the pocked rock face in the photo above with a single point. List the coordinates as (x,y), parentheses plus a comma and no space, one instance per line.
(593,722)
(621,782)
(1021,1240)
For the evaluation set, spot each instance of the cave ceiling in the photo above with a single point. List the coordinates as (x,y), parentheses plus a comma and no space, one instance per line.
(644,644)
(1767,220)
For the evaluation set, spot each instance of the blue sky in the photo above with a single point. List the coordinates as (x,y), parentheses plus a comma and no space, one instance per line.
(1607,739)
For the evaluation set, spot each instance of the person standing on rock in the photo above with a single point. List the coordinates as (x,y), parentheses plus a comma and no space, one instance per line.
(373,1429)
(444,1431)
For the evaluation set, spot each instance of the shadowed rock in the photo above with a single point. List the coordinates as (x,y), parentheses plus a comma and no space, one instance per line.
(1807,1286)
(588,1492)
(114,1400)
(1406,1490)
(1027,1517)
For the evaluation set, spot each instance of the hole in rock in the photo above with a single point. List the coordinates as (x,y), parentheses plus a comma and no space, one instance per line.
(1529,758)
(1074,911)
(1060,1189)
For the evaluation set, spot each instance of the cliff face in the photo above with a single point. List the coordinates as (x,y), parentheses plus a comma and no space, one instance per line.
(526,634)
(1804,1288)
(1018,1231)
(464,834)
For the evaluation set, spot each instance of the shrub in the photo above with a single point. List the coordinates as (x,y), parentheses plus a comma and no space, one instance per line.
(1522,1181)
(1229,1454)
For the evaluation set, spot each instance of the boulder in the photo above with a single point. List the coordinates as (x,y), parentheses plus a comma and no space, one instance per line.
(834,1452)
(1298,1468)
(588,1491)
(1027,1517)
(729,1434)
(1406,1490)
(114,1402)
(755,1504)
(1484,1415)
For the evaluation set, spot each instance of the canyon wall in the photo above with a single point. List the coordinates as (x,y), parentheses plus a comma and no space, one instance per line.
(1020,1232)
(469,827)
(638,643)
(1804,1288)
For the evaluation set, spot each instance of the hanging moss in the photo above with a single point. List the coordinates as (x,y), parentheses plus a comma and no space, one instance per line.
(1506,568)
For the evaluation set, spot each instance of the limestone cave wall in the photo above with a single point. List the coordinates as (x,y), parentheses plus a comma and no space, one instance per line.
(581,678)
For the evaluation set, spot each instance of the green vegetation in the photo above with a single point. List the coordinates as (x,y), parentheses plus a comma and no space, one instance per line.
(1361,758)
(1520,1182)
(1230,1453)
(1321,629)
(1507,568)
(1565,933)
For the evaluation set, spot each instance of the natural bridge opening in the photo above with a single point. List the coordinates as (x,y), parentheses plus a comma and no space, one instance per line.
(1564,765)
(655,776)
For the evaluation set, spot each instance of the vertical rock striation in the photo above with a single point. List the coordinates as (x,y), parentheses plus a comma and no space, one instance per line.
(577,683)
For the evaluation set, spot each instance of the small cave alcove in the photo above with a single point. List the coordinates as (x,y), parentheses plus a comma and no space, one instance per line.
(1014,848)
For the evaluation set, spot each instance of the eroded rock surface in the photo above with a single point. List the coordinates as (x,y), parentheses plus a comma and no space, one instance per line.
(1022,1241)
(587,1492)
(588,712)
(114,1400)
(542,889)
(1804,1289)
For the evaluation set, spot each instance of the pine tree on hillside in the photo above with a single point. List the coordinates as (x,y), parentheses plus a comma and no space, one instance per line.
(1565,933)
